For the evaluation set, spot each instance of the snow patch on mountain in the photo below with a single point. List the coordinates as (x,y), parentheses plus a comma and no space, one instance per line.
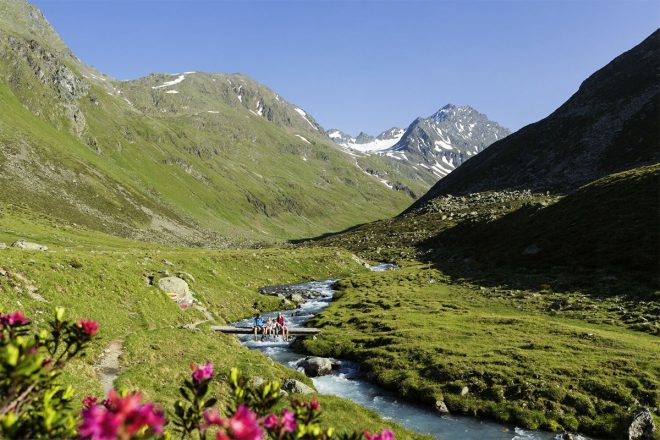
(366,143)
(302,113)
(175,81)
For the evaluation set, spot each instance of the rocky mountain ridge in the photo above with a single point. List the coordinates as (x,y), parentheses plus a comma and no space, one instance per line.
(611,124)
(435,145)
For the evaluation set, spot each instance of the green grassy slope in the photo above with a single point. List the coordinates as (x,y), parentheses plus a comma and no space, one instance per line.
(103,277)
(493,354)
(606,229)
(199,167)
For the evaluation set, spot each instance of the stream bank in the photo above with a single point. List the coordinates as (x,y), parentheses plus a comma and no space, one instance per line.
(349,382)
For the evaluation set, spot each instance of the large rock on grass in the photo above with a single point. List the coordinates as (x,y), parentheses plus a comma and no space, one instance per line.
(642,426)
(296,387)
(178,290)
(29,246)
(316,366)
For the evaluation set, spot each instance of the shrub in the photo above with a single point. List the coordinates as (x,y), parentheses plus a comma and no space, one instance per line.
(35,405)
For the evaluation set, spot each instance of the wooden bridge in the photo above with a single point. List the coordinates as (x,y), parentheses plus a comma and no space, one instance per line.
(296,331)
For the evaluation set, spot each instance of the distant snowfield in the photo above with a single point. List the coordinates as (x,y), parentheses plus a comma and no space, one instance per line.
(175,81)
(368,147)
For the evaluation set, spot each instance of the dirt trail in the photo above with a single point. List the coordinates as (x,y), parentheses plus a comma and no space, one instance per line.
(207,315)
(108,366)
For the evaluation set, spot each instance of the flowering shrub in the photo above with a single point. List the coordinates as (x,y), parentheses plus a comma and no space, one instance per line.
(123,417)
(34,404)
(251,415)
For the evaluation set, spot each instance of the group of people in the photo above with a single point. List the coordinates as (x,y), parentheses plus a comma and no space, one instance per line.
(272,326)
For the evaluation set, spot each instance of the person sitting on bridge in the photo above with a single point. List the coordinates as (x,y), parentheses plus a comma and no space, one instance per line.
(281,324)
(258,326)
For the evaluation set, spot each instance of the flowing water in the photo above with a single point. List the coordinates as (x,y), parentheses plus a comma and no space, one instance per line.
(348,382)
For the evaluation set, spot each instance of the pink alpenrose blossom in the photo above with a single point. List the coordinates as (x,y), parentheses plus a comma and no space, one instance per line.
(212,417)
(120,417)
(270,421)
(385,435)
(13,319)
(202,372)
(288,421)
(89,401)
(88,326)
(244,426)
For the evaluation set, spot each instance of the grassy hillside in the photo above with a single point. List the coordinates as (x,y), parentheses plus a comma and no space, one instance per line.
(222,161)
(490,353)
(105,278)
(607,230)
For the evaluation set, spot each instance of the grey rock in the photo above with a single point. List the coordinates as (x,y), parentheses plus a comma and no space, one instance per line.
(297,298)
(297,387)
(258,381)
(29,246)
(173,285)
(3,246)
(167,263)
(316,366)
(568,436)
(441,407)
(642,426)
(465,391)
(178,290)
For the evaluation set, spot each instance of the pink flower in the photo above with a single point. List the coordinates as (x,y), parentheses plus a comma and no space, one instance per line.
(221,436)
(270,421)
(288,420)
(385,435)
(243,425)
(99,424)
(89,401)
(211,417)
(314,404)
(88,326)
(119,417)
(13,319)
(201,373)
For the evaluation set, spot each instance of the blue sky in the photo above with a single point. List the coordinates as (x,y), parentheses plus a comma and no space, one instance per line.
(367,65)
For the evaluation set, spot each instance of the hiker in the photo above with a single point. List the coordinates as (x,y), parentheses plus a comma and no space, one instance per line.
(281,324)
(269,327)
(258,326)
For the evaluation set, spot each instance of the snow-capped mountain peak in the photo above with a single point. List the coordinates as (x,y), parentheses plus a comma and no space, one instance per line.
(437,144)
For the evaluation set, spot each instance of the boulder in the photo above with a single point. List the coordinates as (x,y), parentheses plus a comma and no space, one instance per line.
(441,407)
(568,436)
(316,366)
(297,298)
(3,246)
(465,391)
(297,387)
(642,426)
(173,285)
(28,245)
(167,263)
(178,290)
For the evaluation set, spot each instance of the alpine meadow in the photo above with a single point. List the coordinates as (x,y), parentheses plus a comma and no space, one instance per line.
(192,255)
